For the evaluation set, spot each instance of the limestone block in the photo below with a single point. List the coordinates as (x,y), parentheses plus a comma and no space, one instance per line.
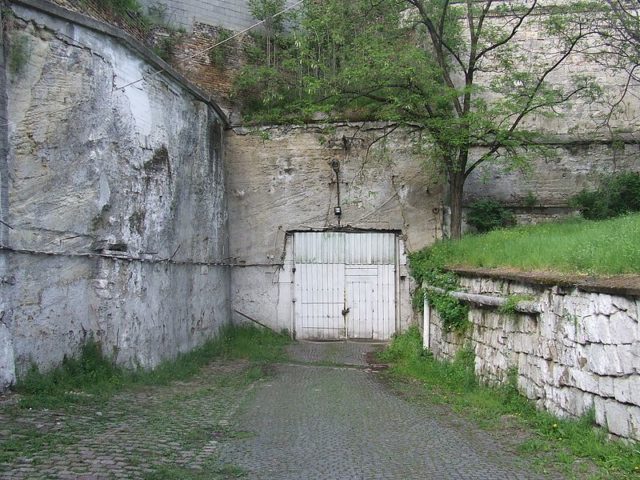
(623,329)
(603,359)
(603,304)
(618,418)
(519,343)
(634,422)
(600,410)
(568,355)
(568,330)
(606,387)
(548,326)
(627,389)
(629,356)
(571,401)
(624,304)
(7,361)
(585,381)
(529,324)
(581,305)
(530,389)
(596,328)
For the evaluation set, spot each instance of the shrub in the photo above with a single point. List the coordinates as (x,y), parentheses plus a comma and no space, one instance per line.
(617,194)
(486,215)
(219,55)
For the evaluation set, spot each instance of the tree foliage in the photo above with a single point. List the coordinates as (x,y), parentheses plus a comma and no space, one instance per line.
(458,74)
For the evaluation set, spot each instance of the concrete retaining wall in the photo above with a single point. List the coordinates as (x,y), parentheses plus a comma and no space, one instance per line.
(231,14)
(113,206)
(582,352)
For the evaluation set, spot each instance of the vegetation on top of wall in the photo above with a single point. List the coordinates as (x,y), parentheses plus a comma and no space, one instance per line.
(578,448)
(487,215)
(575,246)
(617,194)
(150,28)
(428,267)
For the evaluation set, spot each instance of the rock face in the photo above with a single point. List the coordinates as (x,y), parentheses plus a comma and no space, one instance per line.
(113,200)
(282,179)
(581,353)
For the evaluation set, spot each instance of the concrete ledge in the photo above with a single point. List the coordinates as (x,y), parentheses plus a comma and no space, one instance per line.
(489,300)
(623,285)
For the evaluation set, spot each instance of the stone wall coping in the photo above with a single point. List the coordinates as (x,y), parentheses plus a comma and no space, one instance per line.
(523,306)
(132,43)
(622,285)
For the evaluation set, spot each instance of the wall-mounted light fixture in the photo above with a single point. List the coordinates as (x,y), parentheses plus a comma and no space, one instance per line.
(337,211)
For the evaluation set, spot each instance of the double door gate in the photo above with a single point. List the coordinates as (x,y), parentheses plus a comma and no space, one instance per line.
(345,285)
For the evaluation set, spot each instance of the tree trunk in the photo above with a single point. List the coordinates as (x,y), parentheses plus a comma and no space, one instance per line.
(456,189)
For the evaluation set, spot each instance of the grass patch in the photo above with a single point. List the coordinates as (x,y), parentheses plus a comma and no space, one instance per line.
(30,440)
(578,447)
(92,377)
(607,247)
(209,471)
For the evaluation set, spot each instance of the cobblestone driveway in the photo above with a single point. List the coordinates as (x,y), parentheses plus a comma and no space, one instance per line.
(324,415)
(327,422)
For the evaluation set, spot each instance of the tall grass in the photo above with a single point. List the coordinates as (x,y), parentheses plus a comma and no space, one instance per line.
(577,447)
(91,376)
(606,247)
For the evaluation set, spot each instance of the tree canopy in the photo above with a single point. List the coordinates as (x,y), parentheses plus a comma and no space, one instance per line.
(463,74)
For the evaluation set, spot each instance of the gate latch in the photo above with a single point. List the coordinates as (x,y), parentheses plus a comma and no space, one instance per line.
(345,311)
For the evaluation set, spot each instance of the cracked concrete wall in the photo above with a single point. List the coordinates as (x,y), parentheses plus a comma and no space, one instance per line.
(115,199)
(280,179)
(582,352)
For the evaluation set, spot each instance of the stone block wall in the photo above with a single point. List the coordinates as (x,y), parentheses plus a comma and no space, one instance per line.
(581,353)
(113,205)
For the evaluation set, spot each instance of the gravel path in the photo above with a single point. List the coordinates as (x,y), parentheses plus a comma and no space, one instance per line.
(327,422)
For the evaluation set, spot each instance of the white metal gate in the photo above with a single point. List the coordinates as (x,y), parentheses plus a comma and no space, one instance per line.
(345,285)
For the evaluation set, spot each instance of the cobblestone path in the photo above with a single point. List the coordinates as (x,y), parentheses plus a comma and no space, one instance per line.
(324,422)
(160,432)
(324,415)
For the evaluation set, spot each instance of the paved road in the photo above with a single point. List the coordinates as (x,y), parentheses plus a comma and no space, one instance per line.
(327,422)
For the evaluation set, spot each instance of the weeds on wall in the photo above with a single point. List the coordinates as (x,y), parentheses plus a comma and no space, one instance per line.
(151,28)
(428,267)
(511,305)
(220,55)
(165,46)
(578,448)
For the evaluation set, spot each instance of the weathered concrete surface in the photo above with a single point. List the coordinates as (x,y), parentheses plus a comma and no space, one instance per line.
(342,423)
(582,352)
(115,198)
(280,180)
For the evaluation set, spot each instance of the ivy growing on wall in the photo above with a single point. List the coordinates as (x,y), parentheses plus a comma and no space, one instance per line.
(427,267)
